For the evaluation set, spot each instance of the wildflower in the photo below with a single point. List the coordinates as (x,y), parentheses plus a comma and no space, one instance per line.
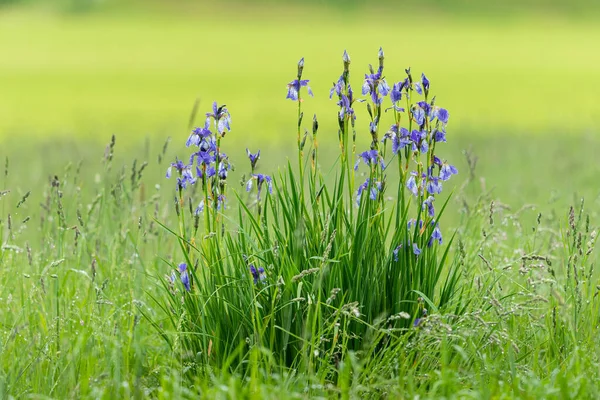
(428,204)
(417,87)
(447,171)
(416,249)
(373,126)
(369,157)
(210,172)
(434,185)
(443,115)
(253,158)
(185,174)
(294,88)
(411,184)
(425,83)
(345,104)
(203,158)
(436,235)
(258,274)
(199,133)
(223,168)
(337,87)
(178,165)
(183,274)
(208,144)
(221,116)
(399,136)
(221,202)
(418,115)
(419,140)
(260,180)
(374,84)
(396,92)
(346,59)
(426,107)
(396,251)
(439,135)
(200,208)
(375,189)
(419,320)
(295,85)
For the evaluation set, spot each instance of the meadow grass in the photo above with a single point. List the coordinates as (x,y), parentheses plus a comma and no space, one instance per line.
(527,331)
(85,259)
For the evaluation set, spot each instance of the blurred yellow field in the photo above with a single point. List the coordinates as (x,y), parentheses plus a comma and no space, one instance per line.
(61,74)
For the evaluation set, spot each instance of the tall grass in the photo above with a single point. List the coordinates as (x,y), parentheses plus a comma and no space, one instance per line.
(90,308)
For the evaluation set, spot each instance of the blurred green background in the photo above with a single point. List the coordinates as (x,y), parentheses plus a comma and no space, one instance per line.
(520,78)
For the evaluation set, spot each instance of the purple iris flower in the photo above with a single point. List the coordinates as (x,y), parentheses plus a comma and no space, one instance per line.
(253,158)
(396,92)
(447,171)
(375,85)
(419,141)
(260,180)
(383,87)
(369,157)
(198,134)
(400,141)
(417,87)
(202,158)
(443,115)
(178,165)
(396,251)
(185,278)
(411,184)
(221,116)
(439,135)
(425,106)
(210,172)
(361,188)
(425,82)
(186,176)
(345,104)
(294,88)
(337,87)
(416,249)
(436,236)
(434,185)
(223,168)
(258,274)
(411,222)
(373,126)
(208,144)
(200,208)
(418,115)
(428,204)
(375,189)
(221,202)
(420,320)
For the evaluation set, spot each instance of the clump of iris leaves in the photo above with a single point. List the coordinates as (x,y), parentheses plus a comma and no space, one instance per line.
(313,264)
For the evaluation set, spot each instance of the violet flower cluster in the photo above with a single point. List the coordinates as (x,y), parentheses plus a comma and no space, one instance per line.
(428,127)
(414,145)
(206,163)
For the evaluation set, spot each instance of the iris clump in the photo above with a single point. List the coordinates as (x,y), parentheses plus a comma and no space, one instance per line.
(343,249)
